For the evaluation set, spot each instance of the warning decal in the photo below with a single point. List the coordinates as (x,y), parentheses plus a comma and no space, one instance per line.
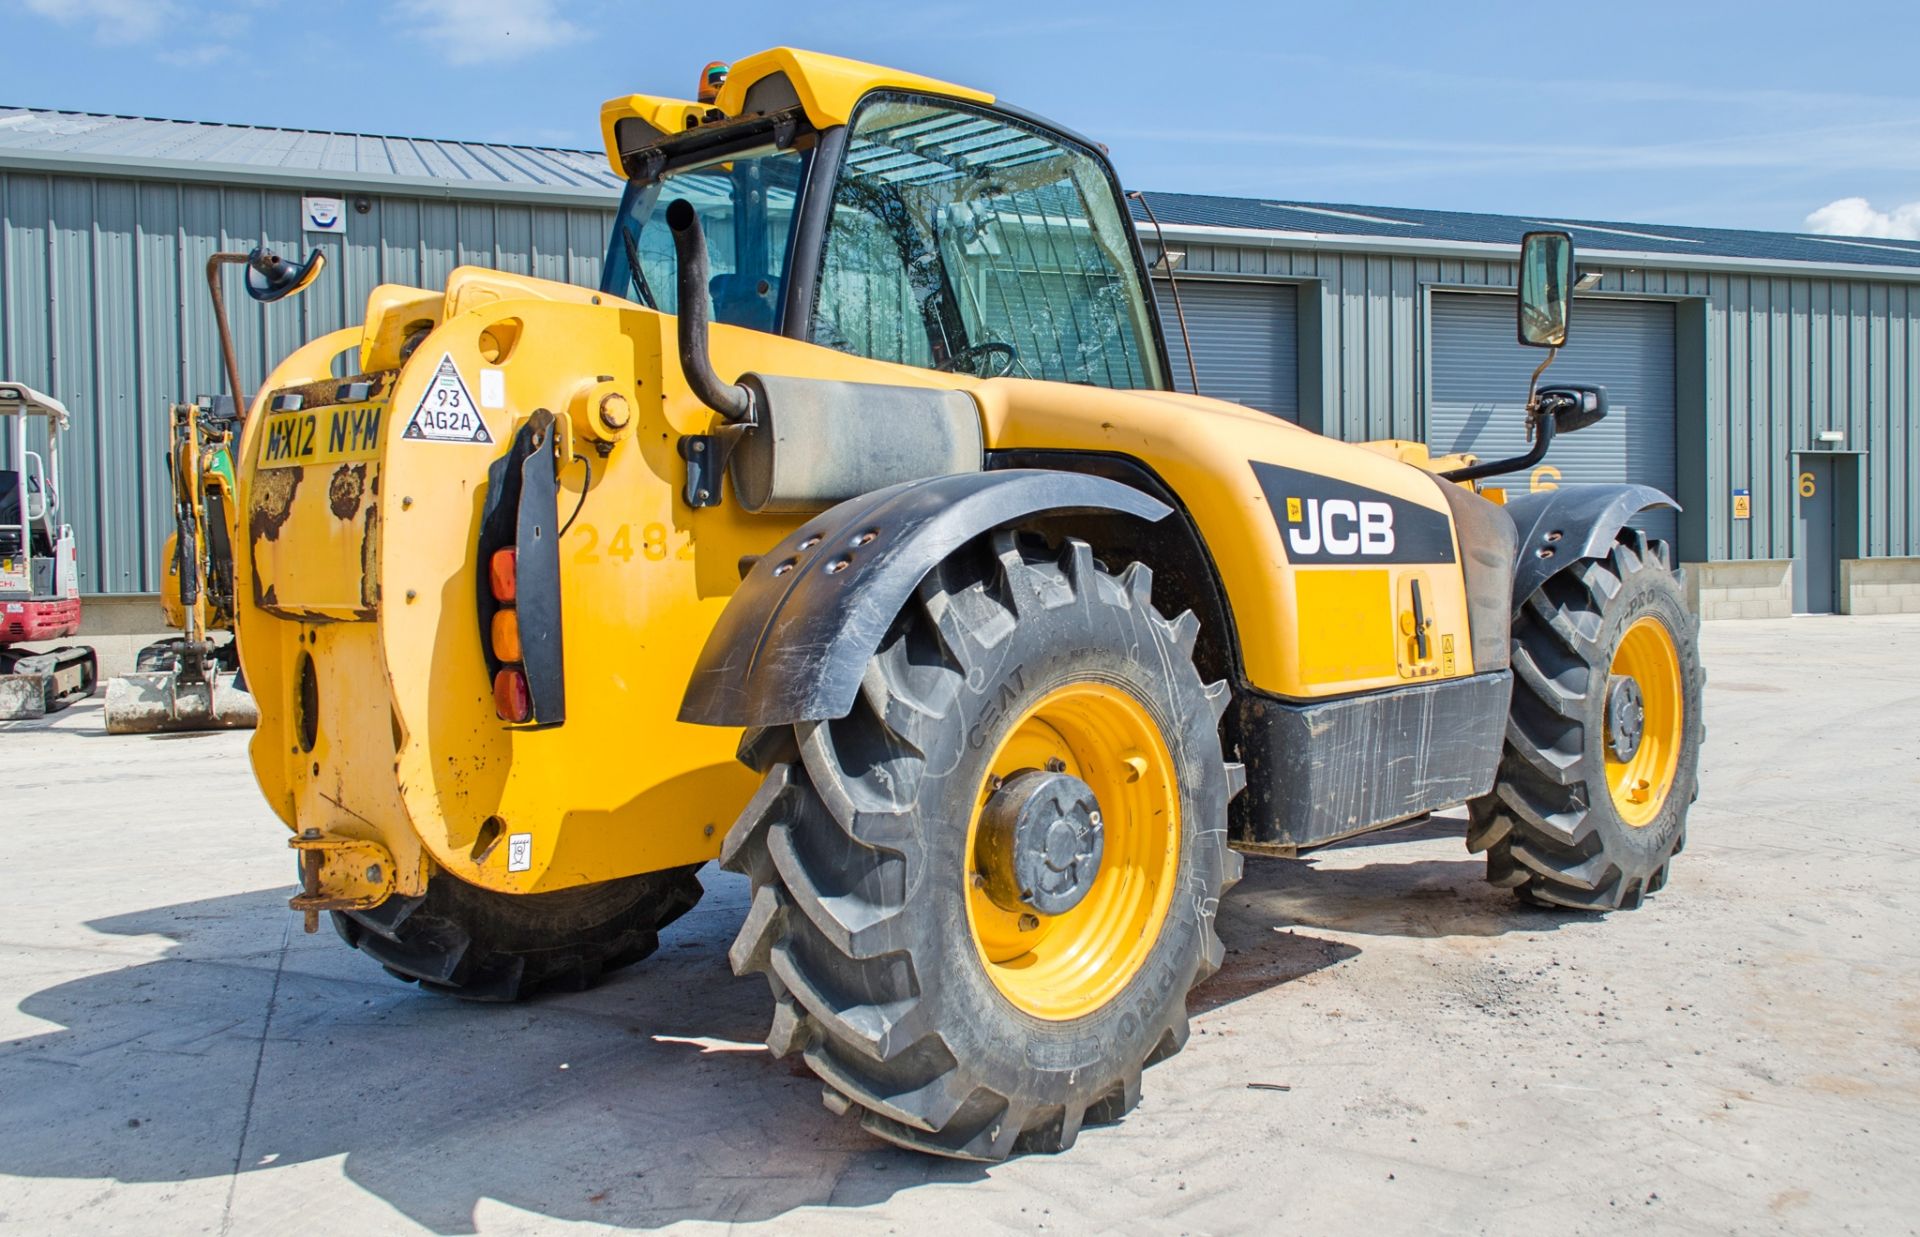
(447,412)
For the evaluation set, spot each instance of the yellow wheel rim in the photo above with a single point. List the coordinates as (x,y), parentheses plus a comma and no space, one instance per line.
(1639,784)
(1065,966)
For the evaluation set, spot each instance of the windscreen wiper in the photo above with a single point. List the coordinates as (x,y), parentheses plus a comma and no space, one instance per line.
(637,272)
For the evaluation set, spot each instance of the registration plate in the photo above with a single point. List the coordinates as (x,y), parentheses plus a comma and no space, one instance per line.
(321,435)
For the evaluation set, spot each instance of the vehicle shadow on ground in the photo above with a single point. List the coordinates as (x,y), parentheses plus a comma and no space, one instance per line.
(1268,921)
(644,1102)
(1411,894)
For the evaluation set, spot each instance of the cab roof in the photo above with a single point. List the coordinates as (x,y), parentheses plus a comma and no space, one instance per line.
(17,399)
(827,87)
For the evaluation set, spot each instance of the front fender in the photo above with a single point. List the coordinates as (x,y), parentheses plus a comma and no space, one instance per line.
(793,643)
(1560,527)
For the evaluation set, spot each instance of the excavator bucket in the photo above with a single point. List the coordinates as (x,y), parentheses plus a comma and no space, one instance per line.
(176,687)
(160,702)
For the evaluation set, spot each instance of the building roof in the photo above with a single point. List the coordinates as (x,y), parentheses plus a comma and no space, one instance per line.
(88,143)
(1337,225)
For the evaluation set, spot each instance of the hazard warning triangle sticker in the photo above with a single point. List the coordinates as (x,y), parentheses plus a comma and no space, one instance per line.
(447,412)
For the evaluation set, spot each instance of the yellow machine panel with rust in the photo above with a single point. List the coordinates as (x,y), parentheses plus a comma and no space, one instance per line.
(316,464)
(363,567)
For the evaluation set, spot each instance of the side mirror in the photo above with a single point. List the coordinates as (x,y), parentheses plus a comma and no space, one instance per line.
(271,277)
(1573,406)
(1546,288)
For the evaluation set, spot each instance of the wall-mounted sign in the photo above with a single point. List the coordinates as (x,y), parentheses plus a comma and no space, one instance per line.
(1742,505)
(323,215)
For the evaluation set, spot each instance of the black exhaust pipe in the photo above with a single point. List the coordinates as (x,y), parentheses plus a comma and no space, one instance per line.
(731,401)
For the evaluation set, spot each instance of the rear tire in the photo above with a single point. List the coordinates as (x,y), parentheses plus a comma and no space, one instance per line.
(1563,826)
(479,945)
(860,849)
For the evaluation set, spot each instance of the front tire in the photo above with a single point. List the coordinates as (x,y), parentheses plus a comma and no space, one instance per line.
(953,1025)
(1603,742)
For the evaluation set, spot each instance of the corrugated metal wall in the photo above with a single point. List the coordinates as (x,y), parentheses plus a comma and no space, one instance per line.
(103,303)
(1785,358)
(1479,374)
(1249,350)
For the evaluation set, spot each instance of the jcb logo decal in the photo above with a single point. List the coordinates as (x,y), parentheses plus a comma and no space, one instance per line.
(1327,520)
(1341,527)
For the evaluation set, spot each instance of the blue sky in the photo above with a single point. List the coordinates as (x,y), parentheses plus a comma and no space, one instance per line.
(1754,115)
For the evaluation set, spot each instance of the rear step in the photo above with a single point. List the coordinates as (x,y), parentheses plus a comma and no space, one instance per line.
(34,684)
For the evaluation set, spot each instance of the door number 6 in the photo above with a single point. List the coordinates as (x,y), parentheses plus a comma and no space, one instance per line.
(1807,489)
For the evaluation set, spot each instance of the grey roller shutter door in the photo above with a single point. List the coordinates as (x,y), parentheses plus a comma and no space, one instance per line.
(1480,385)
(1246,342)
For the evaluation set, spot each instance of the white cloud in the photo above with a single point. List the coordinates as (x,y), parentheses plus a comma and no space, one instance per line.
(113,21)
(483,31)
(201,55)
(1857,217)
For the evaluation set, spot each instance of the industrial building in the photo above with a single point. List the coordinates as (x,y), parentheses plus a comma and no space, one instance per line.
(1771,382)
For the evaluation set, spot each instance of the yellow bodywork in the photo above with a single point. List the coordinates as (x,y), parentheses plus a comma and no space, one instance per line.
(826,86)
(360,559)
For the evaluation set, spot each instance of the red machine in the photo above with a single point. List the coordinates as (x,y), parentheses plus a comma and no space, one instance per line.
(39,571)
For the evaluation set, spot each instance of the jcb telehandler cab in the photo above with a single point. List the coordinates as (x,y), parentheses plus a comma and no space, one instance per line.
(862,466)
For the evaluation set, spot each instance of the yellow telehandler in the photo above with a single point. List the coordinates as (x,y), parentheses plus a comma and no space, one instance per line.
(850,533)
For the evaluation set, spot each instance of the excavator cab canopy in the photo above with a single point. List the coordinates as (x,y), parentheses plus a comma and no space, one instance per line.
(888,216)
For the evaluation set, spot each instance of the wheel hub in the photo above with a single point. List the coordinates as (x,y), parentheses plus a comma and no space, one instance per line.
(1626,716)
(1041,839)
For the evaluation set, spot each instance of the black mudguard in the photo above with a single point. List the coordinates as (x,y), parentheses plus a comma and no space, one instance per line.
(1561,527)
(794,641)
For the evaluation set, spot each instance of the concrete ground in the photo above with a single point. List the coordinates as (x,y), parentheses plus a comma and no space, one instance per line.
(1741,1055)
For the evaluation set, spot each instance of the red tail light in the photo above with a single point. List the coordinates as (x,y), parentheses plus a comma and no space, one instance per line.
(502,571)
(511,699)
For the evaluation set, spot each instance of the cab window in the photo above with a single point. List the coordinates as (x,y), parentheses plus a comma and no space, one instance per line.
(745,200)
(968,240)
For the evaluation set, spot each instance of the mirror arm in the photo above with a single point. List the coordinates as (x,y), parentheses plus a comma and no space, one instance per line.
(1542,439)
(1533,383)
(1541,427)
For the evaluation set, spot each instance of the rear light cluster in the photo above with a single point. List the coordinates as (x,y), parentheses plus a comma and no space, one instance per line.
(511,698)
